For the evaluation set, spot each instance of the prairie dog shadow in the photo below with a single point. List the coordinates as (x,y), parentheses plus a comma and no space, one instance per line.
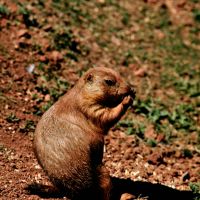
(149,190)
(136,188)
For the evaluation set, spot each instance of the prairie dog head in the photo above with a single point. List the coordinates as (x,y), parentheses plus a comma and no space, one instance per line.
(105,86)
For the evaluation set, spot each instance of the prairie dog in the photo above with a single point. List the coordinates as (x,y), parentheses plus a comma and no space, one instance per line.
(69,138)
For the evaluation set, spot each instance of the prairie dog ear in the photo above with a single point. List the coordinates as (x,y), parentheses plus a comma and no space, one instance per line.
(89,77)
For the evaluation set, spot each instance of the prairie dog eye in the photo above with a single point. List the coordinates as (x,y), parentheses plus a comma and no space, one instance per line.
(110,82)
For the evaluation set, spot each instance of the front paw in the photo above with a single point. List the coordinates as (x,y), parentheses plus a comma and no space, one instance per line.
(127,101)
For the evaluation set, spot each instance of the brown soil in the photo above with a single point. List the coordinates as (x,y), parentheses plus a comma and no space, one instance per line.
(161,172)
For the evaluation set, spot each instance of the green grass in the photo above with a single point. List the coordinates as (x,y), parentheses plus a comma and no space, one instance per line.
(127,35)
(195,187)
(4,11)
(12,118)
(51,84)
(29,126)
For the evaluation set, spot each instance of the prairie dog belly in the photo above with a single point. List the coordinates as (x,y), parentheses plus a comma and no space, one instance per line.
(64,151)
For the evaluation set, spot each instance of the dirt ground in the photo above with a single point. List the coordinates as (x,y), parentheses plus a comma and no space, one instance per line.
(45,46)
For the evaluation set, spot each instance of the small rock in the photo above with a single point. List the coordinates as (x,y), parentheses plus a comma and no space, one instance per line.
(178,154)
(150,133)
(140,72)
(160,138)
(128,153)
(115,41)
(155,159)
(3,22)
(13,7)
(23,33)
(43,58)
(47,27)
(55,56)
(30,68)
(159,34)
(127,196)
(47,97)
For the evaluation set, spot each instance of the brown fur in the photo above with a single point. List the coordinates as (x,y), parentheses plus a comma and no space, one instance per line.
(69,139)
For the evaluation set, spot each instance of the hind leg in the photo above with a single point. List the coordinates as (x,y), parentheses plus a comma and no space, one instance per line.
(104,182)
